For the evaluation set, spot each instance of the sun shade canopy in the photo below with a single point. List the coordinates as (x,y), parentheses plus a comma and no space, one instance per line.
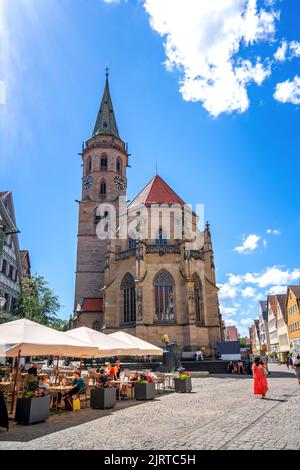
(133,341)
(33,339)
(106,345)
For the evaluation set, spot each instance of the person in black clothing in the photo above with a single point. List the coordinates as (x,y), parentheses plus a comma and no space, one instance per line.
(230,367)
(33,370)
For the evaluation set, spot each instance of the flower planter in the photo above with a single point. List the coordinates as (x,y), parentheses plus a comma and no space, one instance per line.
(102,398)
(183,385)
(144,391)
(32,410)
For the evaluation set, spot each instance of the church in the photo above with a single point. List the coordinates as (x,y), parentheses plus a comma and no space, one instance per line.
(138,269)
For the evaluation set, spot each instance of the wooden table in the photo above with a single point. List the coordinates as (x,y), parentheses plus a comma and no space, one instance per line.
(5,384)
(120,383)
(59,388)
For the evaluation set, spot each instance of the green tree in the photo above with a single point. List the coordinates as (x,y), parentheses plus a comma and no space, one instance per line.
(243,342)
(61,325)
(38,302)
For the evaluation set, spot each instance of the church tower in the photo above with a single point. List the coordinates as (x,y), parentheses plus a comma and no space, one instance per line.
(104,164)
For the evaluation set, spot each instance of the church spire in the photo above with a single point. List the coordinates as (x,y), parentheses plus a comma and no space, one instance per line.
(106,121)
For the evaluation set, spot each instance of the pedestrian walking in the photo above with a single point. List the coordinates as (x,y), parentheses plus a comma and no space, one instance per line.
(291,362)
(288,363)
(297,368)
(260,373)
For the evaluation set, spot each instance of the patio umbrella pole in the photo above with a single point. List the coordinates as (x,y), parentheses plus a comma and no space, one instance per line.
(80,365)
(15,384)
(56,369)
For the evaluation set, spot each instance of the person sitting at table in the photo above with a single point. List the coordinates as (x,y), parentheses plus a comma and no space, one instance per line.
(134,377)
(110,370)
(78,385)
(32,380)
(33,370)
(43,385)
(117,369)
(102,378)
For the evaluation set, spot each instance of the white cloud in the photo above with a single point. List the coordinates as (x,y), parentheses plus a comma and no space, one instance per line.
(228,311)
(231,322)
(288,91)
(248,292)
(276,290)
(247,321)
(273,276)
(250,244)
(203,40)
(287,50)
(281,52)
(227,292)
(272,231)
(234,280)
(295,48)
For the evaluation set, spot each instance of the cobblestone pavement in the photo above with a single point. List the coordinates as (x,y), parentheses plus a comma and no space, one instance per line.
(220,413)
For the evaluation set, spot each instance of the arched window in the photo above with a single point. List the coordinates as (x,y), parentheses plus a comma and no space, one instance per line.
(119,166)
(164,288)
(96,325)
(103,188)
(88,166)
(103,162)
(161,238)
(198,291)
(129,304)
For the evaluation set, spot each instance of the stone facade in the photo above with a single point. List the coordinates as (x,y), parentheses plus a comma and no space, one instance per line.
(152,284)
(11,271)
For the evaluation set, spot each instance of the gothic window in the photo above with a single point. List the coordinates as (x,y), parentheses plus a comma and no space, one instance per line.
(103,188)
(164,288)
(119,166)
(198,291)
(88,167)
(4,266)
(129,304)
(96,325)
(161,238)
(103,162)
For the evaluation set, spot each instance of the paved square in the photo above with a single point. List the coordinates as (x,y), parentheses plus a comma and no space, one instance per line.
(220,413)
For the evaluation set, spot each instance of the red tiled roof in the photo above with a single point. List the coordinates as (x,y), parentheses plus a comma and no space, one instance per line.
(92,305)
(273,303)
(295,290)
(157,191)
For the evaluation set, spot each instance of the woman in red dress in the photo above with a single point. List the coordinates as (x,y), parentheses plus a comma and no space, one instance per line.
(260,378)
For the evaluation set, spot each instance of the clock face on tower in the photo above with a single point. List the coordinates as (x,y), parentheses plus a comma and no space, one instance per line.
(87,182)
(119,182)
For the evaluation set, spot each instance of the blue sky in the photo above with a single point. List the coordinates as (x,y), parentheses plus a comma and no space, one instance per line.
(221,118)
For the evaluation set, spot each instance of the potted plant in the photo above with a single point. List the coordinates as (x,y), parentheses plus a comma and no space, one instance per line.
(144,388)
(183,383)
(104,395)
(33,407)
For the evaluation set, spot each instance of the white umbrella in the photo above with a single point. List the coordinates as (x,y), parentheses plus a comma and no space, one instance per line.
(27,338)
(145,347)
(32,339)
(106,345)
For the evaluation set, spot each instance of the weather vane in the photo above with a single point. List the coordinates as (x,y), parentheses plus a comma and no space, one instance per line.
(106,71)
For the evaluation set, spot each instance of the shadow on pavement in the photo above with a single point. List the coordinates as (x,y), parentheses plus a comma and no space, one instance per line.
(59,421)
